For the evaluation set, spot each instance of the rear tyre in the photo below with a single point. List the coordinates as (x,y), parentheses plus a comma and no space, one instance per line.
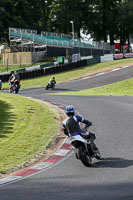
(84,157)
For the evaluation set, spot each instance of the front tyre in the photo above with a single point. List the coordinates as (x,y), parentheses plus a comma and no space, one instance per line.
(16,91)
(53,86)
(47,87)
(84,157)
(98,155)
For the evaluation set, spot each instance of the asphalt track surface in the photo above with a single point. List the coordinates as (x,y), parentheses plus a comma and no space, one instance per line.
(111,178)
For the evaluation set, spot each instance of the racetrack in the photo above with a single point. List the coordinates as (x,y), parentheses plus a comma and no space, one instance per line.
(110,178)
(105,78)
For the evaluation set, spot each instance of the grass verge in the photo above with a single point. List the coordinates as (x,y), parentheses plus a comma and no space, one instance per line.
(26,129)
(73,74)
(122,88)
(3,68)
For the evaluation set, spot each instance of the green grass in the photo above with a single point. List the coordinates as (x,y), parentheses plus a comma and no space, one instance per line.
(122,88)
(26,128)
(3,68)
(73,74)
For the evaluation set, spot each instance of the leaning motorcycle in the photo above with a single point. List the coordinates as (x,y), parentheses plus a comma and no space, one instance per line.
(84,150)
(14,87)
(50,86)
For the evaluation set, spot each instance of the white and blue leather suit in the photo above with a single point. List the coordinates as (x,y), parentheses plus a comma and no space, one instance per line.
(71,126)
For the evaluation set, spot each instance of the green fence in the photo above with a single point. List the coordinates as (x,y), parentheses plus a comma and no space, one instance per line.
(94,60)
(59,42)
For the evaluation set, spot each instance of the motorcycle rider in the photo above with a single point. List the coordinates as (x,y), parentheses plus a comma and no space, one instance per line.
(71,126)
(14,77)
(52,81)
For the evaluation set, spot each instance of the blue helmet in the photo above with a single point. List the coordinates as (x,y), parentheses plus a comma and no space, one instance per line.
(70,110)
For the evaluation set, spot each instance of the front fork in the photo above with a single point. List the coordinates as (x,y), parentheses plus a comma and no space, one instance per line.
(76,152)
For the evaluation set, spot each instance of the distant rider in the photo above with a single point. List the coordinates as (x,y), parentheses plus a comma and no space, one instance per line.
(52,81)
(71,125)
(14,78)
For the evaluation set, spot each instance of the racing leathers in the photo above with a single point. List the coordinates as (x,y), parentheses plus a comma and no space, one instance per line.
(52,82)
(14,77)
(71,126)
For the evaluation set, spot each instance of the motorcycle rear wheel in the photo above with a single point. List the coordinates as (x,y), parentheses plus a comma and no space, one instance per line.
(85,159)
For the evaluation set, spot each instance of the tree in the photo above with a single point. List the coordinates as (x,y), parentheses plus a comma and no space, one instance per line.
(62,12)
(6,12)
(102,19)
(125,22)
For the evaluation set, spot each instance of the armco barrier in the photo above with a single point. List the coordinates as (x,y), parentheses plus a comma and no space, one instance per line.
(122,56)
(5,77)
(128,55)
(47,65)
(33,74)
(118,56)
(106,58)
(48,70)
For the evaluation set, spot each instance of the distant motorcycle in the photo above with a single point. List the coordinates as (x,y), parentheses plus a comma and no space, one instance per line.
(84,150)
(14,87)
(50,86)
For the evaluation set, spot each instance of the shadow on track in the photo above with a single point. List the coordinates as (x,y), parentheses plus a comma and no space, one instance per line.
(43,90)
(113,163)
(59,90)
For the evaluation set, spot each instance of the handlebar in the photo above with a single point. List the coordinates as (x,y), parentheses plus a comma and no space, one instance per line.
(86,127)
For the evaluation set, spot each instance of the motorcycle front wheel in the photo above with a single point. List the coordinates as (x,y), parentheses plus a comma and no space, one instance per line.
(53,87)
(84,157)
(98,155)
(47,87)
(16,91)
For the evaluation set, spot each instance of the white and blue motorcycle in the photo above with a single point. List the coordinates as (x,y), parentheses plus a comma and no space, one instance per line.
(84,149)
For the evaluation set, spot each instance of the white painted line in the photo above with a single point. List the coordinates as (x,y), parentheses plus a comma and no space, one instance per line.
(73,80)
(126,66)
(9,178)
(116,69)
(42,165)
(61,152)
(100,73)
(85,78)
